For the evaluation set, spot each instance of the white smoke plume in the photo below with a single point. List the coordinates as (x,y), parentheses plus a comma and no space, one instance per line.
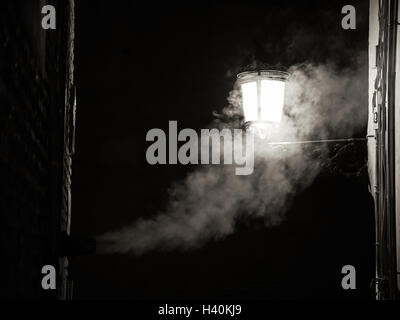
(322,101)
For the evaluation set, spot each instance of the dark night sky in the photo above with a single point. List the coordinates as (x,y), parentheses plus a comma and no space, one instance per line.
(137,68)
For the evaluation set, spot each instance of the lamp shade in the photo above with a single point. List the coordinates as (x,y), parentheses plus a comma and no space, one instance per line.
(263,95)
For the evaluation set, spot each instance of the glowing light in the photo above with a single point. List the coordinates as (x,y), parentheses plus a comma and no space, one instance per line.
(272,100)
(263,95)
(250,101)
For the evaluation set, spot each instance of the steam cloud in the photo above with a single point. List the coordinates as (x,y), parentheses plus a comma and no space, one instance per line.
(322,101)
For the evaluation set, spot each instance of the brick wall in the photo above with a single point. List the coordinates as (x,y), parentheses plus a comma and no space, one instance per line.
(36,133)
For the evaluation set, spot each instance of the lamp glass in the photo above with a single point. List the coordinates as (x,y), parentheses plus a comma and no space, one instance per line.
(250,101)
(271,100)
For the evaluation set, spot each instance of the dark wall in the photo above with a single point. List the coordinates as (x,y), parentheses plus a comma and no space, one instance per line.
(33,72)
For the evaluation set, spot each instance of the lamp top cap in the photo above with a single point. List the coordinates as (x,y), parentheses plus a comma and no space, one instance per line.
(262,74)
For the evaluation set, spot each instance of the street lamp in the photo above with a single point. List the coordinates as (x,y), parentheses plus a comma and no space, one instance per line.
(263,95)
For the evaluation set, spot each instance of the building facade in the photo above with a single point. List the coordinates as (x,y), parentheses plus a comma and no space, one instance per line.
(37,127)
(384,141)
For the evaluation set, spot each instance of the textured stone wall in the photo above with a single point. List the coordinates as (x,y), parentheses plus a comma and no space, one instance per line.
(36,111)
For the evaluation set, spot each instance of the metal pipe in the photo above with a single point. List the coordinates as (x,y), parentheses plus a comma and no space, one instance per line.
(318,141)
